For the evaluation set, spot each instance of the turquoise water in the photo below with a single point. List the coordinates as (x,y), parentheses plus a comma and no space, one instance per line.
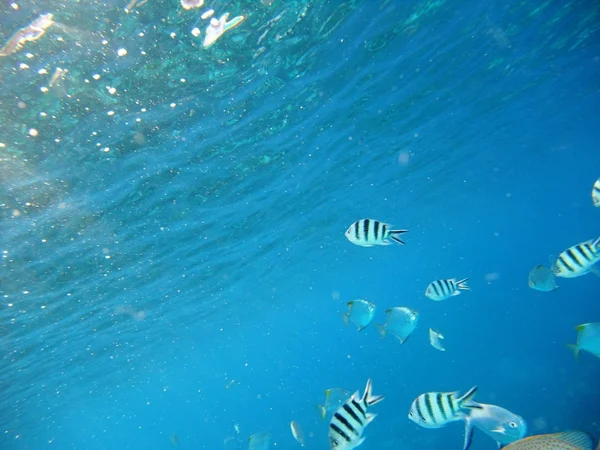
(178,267)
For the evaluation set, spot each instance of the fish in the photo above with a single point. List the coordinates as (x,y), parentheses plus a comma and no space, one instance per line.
(500,424)
(334,398)
(578,260)
(588,339)
(443,289)
(360,312)
(350,420)
(29,33)
(435,339)
(218,27)
(297,432)
(369,232)
(400,322)
(596,193)
(259,441)
(542,279)
(436,409)
(566,440)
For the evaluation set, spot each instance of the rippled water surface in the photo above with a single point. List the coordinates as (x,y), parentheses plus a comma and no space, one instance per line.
(172,219)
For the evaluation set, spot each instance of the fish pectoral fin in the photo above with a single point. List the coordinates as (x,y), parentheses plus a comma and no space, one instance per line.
(360,441)
(370,417)
(468,435)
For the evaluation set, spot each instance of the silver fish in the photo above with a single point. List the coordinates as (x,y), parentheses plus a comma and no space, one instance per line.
(542,279)
(259,441)
(400,322)
(436,409)
(334,398)
(369,232)
(349,421)
(578,260)
(443,289)
(297,432)
(435,339)
(500,424)
(588,339)
(360,312)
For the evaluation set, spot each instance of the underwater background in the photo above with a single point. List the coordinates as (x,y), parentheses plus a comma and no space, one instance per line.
(173,252)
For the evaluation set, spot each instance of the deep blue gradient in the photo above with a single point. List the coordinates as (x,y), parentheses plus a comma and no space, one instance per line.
(190,276)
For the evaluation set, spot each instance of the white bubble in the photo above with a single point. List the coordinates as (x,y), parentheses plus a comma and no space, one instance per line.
(33,132)
(121,52)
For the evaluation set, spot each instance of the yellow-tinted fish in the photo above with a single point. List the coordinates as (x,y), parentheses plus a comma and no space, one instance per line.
(360,312)
(542,279)
(588,339)
(568,440)
(334,398)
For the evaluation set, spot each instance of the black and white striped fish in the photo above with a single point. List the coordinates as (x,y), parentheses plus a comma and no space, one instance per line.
(369,232)
(442,289)
(436,409)
(578,260)
(596,193)
(349,421)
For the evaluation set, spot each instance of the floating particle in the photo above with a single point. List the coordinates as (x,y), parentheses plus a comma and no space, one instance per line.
(44,89)
(190,4)
(110,113)
(14,6)
(96,76)
(207,14)
(23,66)
(42,71)
(33,132)
(172,35)
(196,32)
(121,52)
(218,27)
(22,105)
(58,73)
(173,105)
(111,90)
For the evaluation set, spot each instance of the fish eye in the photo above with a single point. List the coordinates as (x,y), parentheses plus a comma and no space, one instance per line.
(512,424)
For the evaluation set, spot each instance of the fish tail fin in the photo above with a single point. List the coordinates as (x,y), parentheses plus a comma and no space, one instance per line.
(394,235)
(345,318)
(574,349)
(465,400)
(468,434)
(368,398)
(462,284)
(596,245)
(381,330)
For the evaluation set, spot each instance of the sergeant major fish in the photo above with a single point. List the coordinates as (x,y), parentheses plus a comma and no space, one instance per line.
(369,232)
(349,421)
(443,289)
(596,193)
(578,260)
(500,424)
(436,409)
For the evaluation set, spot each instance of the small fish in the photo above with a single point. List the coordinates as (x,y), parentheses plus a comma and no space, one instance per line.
(436,409)
(297,432)
(369,232)
(588,339)
(232,443)
(500,424)
(349,421)
(442,289)
(334,398)
(360,312)
(218,27)
(578,260)
(400,322)
(567,440)
(542,279)
(435,339)
(596,193)
(29,33)
(259,441)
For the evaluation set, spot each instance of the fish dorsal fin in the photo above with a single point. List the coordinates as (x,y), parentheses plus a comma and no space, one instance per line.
(577,438)
(465,400)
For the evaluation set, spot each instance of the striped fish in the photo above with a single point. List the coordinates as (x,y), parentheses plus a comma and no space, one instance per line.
(442,289)
(596,193)
(578,260)
(350,420)
(369,232)
(436,409)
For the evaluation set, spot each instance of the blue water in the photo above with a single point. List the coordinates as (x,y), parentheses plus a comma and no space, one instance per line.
(163,280)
